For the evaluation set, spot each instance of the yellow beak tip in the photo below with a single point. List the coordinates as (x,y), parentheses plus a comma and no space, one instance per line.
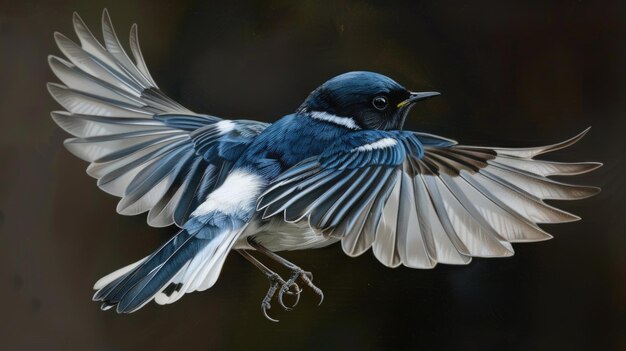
(402,103)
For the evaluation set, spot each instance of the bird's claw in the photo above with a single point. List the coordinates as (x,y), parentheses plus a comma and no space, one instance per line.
(275,280)
(266,306)
(307,278)
(285,287)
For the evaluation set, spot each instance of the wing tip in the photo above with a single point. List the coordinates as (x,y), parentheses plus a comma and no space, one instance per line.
(59,66)
(58,36)
(583,192)
(592,191)
(77,20)
(53,88)
(571,217)
(73,145)
(432,265)
(530,153)
(106,18)
(588,167)
(543,238)
(579,136)
(564,144)
(56,90)
(58,117)
(586,130)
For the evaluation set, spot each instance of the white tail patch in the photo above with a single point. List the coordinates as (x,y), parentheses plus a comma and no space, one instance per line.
(203,270)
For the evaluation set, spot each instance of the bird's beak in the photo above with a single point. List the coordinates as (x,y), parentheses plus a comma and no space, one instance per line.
(417,97)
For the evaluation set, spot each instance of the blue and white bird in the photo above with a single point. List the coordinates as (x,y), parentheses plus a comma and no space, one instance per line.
(339,170)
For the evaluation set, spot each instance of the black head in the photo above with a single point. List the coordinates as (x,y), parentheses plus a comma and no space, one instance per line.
(372,100)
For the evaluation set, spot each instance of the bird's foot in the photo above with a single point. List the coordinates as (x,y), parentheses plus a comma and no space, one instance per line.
(285,287)
(306,278)
(276,281)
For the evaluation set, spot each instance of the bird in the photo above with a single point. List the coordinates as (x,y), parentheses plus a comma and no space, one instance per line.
(340,169)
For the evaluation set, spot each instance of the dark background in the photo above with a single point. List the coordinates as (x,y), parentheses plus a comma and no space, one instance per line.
(512,73)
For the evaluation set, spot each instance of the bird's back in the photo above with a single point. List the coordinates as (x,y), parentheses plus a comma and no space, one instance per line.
(291,139)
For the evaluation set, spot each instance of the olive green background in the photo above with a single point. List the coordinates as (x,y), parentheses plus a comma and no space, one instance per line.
(512,73)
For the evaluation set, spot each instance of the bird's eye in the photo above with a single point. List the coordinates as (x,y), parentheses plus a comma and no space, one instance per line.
(380,102)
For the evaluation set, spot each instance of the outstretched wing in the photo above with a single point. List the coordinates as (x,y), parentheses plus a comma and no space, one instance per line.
(144,147)
(418,199)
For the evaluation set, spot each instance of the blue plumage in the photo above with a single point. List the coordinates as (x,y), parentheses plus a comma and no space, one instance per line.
(288,141)
(133,289)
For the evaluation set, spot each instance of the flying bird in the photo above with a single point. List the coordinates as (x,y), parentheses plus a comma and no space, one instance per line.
(340,169)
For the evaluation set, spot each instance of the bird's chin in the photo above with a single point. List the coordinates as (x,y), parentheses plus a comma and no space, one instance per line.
(401,115)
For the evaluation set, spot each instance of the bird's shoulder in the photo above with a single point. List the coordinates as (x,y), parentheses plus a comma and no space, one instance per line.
(289,140)
(299,132)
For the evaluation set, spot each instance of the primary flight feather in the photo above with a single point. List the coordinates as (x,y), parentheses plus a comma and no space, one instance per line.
(339,169)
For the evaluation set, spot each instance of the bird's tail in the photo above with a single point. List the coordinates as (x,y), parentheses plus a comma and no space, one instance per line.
(190,261)
(193,258)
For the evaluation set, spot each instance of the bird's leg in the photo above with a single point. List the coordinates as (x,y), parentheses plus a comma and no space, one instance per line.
(275,282)
(296,272)
(273,277)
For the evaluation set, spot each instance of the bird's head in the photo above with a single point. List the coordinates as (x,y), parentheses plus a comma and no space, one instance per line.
(371,100)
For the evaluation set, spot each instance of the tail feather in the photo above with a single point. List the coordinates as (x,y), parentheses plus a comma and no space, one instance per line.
(210,257)
(120,273)
(158,279)
(193,258)
(176,268)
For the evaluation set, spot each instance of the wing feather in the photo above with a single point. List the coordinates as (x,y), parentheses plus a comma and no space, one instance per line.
(114,47)
(83,126)
(384,245)
(435,231)
(142,146)
(413,246)
(136,51)
(423,200)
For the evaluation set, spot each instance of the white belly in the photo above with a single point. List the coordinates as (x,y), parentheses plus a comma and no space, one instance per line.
(277,235)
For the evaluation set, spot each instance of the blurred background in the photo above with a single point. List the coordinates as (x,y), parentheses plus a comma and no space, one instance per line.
(512,73)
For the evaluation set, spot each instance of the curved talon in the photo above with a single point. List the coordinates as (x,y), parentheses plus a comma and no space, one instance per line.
(297,294)
(297,300)
(264,308)
(280,300)
(318,291)
(321,294)
(275,280)
(307,279)
(285,289)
